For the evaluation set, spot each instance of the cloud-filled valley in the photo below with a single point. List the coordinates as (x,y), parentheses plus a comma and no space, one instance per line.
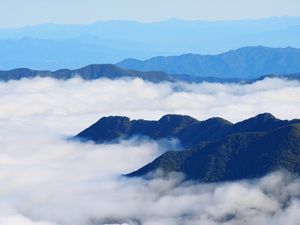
(48,179)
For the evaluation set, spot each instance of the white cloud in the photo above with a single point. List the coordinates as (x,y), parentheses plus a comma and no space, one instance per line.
(19,219)
(73,105)
(47,180)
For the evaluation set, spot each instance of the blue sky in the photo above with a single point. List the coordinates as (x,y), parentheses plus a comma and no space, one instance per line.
(15,13)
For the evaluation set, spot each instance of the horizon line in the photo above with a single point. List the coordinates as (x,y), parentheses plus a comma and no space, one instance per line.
(150,22)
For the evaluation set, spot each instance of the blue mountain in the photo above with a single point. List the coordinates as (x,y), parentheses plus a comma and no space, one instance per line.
(244,63)
(90,72)
(52,46)
(110,71)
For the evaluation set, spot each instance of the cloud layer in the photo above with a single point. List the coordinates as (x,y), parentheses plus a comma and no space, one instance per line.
(48,180)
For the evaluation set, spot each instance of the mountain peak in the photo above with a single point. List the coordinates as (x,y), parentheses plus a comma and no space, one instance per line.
(265,117)
(261,122)
(188,130)
(175,118)
(217,120)
(107,128)
(114,119)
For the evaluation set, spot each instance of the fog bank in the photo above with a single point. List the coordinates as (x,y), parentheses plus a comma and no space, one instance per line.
(47,179)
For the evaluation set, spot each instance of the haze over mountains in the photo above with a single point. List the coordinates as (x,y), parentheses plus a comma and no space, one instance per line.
(90,72)
(245,63)
(52,47)
(215,149)
(174,122)
(112,72)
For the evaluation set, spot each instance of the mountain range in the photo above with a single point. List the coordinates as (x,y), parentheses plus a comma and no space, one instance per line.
(89,72)
(243,63)
(215,149)
(55,46)
(109,71)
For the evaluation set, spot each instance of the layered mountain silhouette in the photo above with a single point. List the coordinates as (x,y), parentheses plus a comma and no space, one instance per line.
(55,46)
(243,63)
(109,71)
(89,72)
(216,149)
(187,129)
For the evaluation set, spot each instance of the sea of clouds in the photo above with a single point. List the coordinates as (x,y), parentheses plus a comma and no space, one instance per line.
(46,179)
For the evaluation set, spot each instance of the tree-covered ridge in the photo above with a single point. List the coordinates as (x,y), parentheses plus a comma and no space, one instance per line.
(216,149)
(234,157)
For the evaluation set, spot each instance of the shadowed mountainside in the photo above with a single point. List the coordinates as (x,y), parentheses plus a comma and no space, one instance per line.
(234,157)
(216,150)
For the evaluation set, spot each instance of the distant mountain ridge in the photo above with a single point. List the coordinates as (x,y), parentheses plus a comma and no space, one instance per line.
(216,149)
(109,71)
(89,72)
(55,46)
(243,63)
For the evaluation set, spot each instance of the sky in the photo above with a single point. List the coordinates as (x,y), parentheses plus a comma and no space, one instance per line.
(17,13)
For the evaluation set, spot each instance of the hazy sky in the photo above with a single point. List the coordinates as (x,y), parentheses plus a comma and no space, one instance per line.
(20,12)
